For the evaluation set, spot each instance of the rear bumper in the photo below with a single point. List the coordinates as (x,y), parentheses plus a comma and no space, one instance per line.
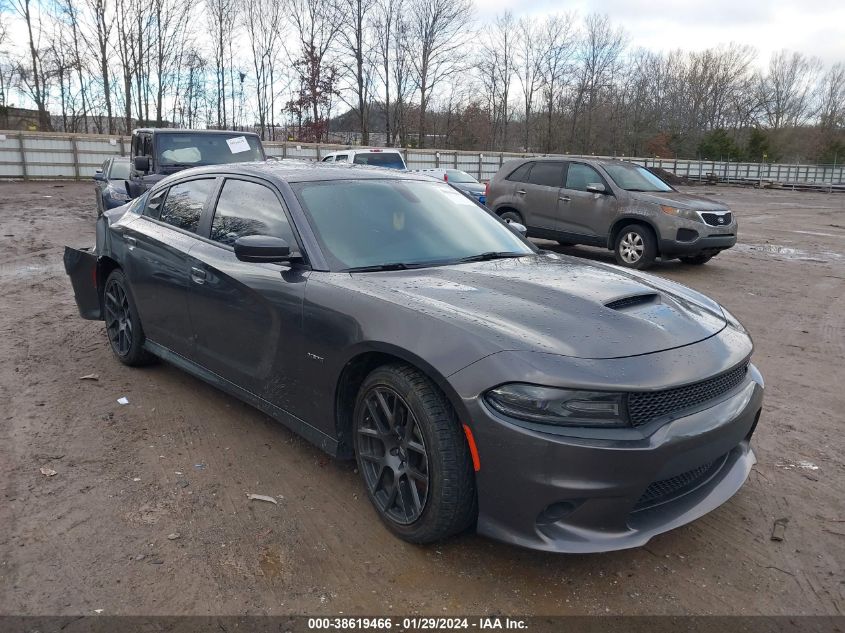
(713,244)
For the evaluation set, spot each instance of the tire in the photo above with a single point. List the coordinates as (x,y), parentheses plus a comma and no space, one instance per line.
(696,260)
(418,475)
(512,216)
(123,326)
(636,246)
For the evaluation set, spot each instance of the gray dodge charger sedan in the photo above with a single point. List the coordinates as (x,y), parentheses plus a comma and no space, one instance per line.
(543,400)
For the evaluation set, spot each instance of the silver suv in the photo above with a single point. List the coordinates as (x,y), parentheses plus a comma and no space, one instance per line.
(613,204)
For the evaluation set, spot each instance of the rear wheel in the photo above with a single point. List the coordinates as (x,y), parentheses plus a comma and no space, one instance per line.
(413,456)
(696,260)
(512,216)
(122,323)
(636,246)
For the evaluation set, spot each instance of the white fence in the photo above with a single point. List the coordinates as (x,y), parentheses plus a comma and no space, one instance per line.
(42,155)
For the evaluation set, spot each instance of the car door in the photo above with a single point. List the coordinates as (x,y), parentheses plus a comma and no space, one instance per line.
(540,194)
(157,261)
(584,213)
(247,317)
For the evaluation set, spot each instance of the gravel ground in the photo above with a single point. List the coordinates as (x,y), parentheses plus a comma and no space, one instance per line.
(148,514)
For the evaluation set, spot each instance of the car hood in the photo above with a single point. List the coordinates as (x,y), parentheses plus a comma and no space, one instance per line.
(553,304)
(678,199)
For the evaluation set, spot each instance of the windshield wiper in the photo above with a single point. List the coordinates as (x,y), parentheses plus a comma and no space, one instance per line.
(484,257)
(378,267)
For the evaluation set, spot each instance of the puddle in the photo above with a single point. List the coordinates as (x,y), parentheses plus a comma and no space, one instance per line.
(25,271)
(789,253)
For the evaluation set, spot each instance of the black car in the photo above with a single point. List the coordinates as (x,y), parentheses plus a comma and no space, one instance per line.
(110,183)
(548,401)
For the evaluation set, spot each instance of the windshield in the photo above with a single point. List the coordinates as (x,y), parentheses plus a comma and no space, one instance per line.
(392,160)
(188,150)
(635,178)
(456,175)
(382,222)
(119,170)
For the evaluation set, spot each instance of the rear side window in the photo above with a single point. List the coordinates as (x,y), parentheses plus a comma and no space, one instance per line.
(581,175)
(547,174)
(248,208)
(184,203)
(520,174)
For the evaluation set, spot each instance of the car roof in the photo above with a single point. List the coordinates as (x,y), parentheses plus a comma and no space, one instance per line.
(366,150)
(173,130)
(589,160)
(293,170)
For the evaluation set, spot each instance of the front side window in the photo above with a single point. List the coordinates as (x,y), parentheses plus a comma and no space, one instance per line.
(581,175)
(184,203)
(119,170)
(341,158)
(361,223)
(248,208)
(328,159)
(547,174)
(635,178)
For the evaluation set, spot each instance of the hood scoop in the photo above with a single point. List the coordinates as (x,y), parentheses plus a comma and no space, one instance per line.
(632,301)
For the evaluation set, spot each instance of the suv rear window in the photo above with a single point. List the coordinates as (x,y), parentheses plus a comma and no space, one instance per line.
(380,159)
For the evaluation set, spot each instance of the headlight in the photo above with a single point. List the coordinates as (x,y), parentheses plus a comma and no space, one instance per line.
(686,214)
(115,194)
(733,321)
(563,407)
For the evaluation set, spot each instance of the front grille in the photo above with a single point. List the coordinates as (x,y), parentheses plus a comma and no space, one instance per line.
(646,406)
(666,489)
(717,219)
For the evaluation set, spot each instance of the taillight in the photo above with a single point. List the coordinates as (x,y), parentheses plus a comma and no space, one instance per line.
(445,176)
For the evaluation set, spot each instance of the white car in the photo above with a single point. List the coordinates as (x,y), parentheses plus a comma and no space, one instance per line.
(390,158)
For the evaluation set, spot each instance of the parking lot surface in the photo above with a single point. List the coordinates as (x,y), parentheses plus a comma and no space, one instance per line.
(148,510)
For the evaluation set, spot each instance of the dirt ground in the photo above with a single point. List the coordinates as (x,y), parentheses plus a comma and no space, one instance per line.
(181,457)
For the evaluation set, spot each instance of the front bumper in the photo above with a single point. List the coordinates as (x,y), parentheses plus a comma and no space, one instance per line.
(602,491)
(706,244)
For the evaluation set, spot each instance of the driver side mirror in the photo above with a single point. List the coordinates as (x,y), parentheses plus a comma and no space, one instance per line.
(262,249)
(596,187)
(141,163)
(516,227)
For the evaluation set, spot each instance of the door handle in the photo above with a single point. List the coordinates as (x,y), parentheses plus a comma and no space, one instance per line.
(564,198)
(131,242)
(198,275)
(521,192)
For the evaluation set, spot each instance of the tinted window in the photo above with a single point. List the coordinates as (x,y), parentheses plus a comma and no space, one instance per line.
(247,208)
(380,159)
(372,222)
(547,174)
(580,175)
(119,170)
(521,173)
(184,203)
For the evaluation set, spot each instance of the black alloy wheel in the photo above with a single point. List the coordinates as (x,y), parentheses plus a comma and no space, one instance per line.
(393,456)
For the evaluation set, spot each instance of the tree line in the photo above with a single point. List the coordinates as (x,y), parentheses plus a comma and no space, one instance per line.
(417,73)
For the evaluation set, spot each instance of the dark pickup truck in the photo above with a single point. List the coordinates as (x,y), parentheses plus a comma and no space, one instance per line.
(159,152)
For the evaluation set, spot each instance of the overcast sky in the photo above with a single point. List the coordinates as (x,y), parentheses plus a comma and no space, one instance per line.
(813,27)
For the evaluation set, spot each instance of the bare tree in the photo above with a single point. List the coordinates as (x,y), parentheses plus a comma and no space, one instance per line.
(528,68)
(357,46)
(786,92)
(832,97)
(438,29)
(263,22)
(497,65)
(33,76)
(557,50)
(222,16)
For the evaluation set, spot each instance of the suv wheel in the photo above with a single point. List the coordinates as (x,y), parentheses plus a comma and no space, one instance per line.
(696,260)
(636,246)
(512,216)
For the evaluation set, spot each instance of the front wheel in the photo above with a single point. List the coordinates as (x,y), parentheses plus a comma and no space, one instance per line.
(413,456)
(512,216)
(696,260)
(636,246)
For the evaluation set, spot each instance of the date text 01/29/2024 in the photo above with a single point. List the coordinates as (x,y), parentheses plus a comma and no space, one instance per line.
(416,623)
